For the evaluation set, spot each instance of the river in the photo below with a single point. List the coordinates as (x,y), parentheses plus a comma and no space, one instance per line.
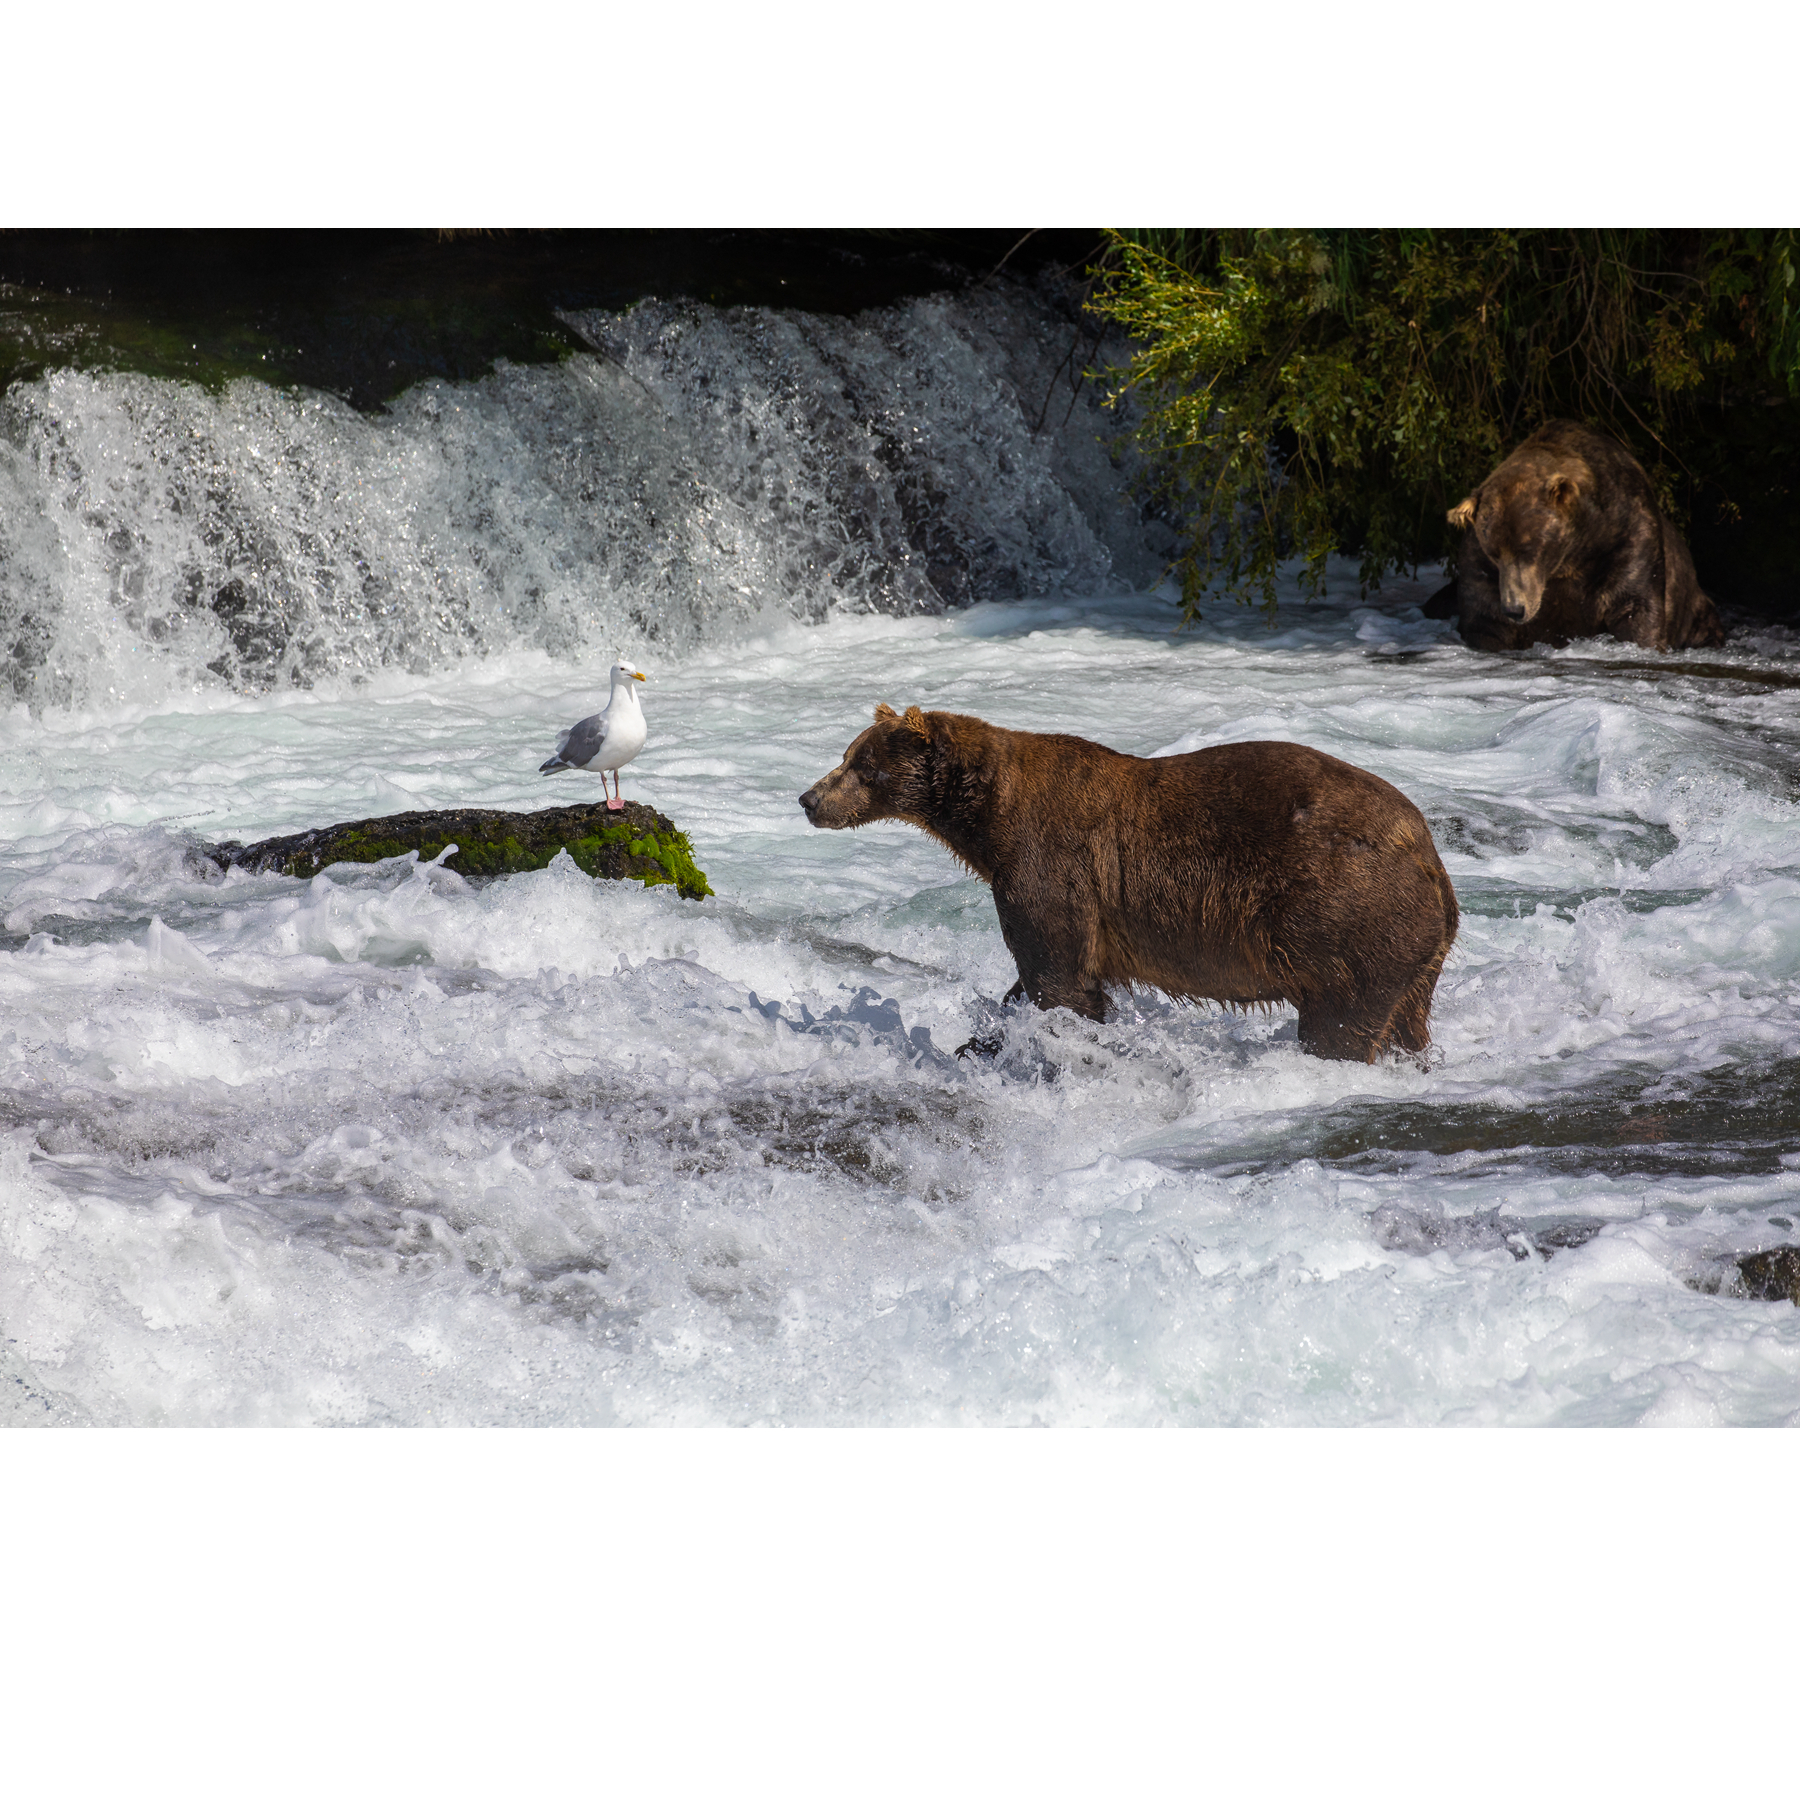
(386,1146)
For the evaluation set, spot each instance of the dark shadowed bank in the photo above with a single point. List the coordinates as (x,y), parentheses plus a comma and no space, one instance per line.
(366,314)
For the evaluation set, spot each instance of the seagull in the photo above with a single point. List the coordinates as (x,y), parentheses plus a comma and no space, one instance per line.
(609,740)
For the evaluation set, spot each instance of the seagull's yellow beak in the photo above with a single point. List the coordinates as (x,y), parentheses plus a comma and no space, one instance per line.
(639,675)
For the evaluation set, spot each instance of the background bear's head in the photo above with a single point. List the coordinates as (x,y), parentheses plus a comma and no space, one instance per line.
(884,775)
(1529,519)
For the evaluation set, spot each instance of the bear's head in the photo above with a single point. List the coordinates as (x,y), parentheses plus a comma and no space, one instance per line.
(1528,522)
(885,774)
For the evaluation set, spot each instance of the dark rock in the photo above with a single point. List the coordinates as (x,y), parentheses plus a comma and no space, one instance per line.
(638,843)
(1772,1274)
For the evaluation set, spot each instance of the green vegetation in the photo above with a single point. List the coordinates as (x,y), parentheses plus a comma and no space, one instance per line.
(1300,393)
(639,844)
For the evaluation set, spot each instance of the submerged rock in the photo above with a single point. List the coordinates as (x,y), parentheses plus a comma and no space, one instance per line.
(1772,1274)
(1760,1275)
(638,843)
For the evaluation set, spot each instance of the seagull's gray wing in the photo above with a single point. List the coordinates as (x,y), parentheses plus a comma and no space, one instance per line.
(579,745)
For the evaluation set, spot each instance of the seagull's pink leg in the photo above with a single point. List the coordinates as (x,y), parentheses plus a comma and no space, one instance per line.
(616,803)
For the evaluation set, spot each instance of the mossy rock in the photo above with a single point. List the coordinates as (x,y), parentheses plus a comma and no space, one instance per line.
(637,844)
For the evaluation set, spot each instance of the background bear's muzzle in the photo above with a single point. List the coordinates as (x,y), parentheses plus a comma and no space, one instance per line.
(1521,599)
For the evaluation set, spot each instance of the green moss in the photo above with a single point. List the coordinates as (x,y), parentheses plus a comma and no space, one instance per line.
(676,855)
(668,855)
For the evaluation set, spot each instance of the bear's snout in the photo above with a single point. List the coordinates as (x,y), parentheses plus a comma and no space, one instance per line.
(835,800)
(829,802)
(1521,593)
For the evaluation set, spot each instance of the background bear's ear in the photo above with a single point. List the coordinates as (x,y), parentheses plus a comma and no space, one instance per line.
(916,720)
(1562,490)
(1463,513)
(884,712)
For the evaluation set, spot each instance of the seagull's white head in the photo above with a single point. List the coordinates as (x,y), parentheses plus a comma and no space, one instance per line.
(624,671)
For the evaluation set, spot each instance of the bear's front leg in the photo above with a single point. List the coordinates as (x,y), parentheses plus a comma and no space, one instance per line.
(1048,938)
(1480,618)
(1631,603)
(1085,997)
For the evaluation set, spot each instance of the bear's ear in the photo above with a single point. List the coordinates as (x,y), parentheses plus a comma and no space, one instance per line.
(1561,491)
(885,715)
(1463,513)
(915,721)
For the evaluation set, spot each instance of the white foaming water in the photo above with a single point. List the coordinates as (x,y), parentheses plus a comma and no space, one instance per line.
(385,1146)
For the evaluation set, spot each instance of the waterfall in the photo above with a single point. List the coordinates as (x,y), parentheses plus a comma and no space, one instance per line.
(694,471)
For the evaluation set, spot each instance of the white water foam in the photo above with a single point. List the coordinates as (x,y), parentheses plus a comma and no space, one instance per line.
(389,1146)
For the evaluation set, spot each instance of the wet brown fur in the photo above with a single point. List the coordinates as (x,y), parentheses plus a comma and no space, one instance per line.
(1248,874)
(1564,540)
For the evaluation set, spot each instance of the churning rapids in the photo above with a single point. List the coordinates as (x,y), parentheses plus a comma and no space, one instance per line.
(388,1147)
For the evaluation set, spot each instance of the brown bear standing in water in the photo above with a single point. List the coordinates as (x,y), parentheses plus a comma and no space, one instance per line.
(1247,874)
(1564,540)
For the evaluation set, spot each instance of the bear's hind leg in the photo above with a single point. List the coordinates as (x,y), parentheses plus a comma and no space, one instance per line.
(1410,1027)
(1336,1036)
(1362,1032)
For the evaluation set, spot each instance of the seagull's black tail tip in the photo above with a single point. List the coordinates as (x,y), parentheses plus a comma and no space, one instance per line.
(552,766)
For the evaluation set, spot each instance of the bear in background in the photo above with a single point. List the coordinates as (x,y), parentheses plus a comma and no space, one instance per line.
(1247,874)
(1564,540)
